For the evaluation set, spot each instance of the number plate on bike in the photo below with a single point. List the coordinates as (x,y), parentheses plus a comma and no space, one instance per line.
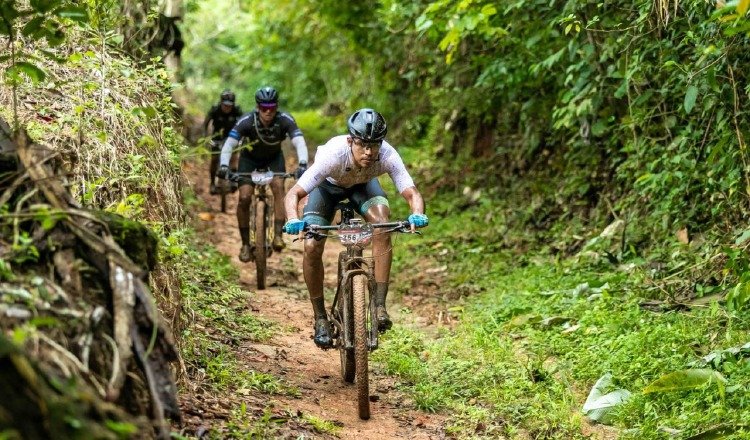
(261,177)
(360,236)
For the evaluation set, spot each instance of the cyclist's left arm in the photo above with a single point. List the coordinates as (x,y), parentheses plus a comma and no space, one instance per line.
(405,186)
(414,199)
(295,134)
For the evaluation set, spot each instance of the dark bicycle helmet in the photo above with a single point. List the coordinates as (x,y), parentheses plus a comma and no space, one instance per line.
(368,125)
(266,95)
(227,97)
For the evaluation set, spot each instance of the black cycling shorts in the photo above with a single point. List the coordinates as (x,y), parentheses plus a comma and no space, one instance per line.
(248,165)
(321,204)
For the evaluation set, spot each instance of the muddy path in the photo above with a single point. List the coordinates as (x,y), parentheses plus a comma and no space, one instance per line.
(291,354)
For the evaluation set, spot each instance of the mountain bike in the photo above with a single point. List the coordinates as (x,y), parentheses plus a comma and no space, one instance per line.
(261,220)
(355,329)
(223,186)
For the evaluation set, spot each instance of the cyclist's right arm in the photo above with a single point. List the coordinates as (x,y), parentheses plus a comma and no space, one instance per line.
(293,224)
(291,201)
(226,150)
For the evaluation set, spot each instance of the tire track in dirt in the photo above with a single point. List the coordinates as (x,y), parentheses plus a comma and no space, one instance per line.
(291,354)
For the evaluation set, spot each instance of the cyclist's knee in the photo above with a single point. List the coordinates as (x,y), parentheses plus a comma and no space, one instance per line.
(378,214)
(245,199)
(314,248)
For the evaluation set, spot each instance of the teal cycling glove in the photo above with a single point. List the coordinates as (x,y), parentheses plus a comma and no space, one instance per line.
(418,220)
(294,226)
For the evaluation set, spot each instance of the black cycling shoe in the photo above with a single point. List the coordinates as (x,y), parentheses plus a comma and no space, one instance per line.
(323,333)
(384,321)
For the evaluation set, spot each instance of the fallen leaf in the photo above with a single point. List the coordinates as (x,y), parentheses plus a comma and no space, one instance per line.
(206,216)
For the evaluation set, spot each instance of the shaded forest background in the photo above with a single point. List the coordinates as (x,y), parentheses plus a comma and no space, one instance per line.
(610,136)
(629,114)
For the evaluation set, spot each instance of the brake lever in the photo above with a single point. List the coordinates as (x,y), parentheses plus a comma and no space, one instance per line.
(311,234)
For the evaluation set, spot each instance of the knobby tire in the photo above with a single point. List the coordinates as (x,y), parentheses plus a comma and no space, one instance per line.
(260,243)
(346,318)
(361,349)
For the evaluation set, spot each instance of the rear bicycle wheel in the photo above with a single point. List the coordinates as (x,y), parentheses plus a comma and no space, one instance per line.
(361,346)
(223,192)
(346,318)
(260,243)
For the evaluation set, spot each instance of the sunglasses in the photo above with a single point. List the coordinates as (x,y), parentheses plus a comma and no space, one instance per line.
(368,145)
(267,107)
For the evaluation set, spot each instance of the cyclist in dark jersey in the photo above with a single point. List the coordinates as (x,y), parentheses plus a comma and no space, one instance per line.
(263,130)
(222,117)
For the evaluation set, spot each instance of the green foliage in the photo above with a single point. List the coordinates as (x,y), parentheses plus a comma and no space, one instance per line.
(687,380)
(210,293)
(6,271)
(37,20)
(634,110)
(531,373)
(321,426)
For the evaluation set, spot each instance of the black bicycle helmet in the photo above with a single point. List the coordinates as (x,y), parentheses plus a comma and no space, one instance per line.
(227,97)
(368,125)
(266,95)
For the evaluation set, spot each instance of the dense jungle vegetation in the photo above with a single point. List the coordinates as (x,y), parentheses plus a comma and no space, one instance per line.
(584,164)
(586,171)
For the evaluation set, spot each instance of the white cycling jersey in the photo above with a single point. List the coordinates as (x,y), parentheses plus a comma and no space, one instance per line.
(334,162)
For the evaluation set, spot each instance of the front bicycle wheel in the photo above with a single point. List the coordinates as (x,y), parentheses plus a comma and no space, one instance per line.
(260,243)
(361,348)
(345,311)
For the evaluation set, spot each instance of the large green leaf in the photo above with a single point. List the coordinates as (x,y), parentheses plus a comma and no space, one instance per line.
(718,432)
(44,6)
(8,15)
(32,71)
(690,97)
(686,380)
(33,27)
(75,13)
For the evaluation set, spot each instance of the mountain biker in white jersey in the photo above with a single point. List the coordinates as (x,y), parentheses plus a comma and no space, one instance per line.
(263,129)
(347,167)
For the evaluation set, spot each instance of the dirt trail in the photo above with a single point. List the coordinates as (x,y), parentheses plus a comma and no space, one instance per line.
(291,353)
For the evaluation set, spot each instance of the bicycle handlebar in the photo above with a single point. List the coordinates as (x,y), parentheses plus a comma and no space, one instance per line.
(396,225)
(233,176)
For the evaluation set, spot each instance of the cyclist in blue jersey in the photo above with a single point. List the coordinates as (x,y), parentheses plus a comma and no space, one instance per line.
(263,130)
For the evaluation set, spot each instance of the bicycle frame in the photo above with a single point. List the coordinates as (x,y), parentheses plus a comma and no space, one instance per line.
(260,213)
(260,190)
(354,264)
(353,309)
